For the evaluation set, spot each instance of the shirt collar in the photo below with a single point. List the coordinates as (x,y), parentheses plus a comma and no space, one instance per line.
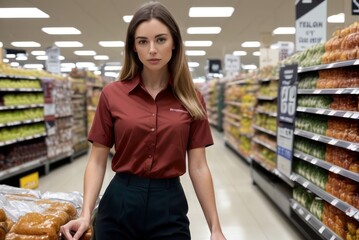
(137,81)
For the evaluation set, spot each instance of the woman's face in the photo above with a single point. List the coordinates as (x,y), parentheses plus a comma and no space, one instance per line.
(153,44)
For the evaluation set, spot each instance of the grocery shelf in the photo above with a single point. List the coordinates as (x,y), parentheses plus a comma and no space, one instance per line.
(16,77)
(330,112)
(336,91)
(21,106)
(336,202)
(264,144)
(269,98)
(7,173)
(326,165)
(328,140)
(241,81)
(236,124)
(264,165)
(313,222)
(271,114)
(267,79)
(230,144)
(329,66)
(264,130)
(232,115)
(21,139)
(10,124)
(21,90)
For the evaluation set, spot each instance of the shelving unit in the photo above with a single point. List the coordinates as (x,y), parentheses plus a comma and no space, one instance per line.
(213,93)
(238,114)
(22,126)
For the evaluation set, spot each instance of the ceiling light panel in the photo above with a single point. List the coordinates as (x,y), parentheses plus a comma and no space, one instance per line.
(85,53)
(22,13)
(61,30)
(127,18)
(198,43)
(211,11)
(111,43)
(283,30)
(101,57)
(338,18)
(63,44)
(204,30)
(251,44)
(26,44)
(239,53)
(38,53)
(195,53)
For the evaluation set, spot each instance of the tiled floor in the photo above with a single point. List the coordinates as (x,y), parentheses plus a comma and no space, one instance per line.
(244,211)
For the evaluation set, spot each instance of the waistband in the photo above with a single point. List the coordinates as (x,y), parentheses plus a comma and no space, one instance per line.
(134,180)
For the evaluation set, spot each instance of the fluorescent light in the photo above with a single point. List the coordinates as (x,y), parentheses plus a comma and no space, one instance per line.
(195,53)
(239,53)
(43,57)
(22,13)
(68,65)
(199,80)
(34,66)
(111,43)
(85,64)
(97,72)
(66,69)
(284,30)
(14,64)
(101,57)
(85,53)
(198,43)
(1,44)
(251,44)
(257,53)
(26,44)
(38,53)
(5,60)
(127,18)
(10,55)
(112,68)
(61,58)
(211,11)
(338,18)
(63,44)
(93,68)
(21,57)
(204,30)
(61,30)
(249,67)
(193,64)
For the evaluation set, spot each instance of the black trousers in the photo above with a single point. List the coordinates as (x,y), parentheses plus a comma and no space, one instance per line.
(136,208)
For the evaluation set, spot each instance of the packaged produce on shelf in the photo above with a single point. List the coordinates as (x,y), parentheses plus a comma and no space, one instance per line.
(267,107)
(312,123)
(343,158)
(344,129)
(244,145)
(345,227)
(13,116)
(338,78)
(310,57)
(343,45)
(245,127)
(6,69)
(315,101)
(264,155)
(269,90)
(10,99)
(269,72)
(314,174)
(19,132)
(7,83)
(266,139)
(313,148)
(308,80)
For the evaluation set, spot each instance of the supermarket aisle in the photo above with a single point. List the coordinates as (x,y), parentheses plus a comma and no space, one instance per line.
(244,210)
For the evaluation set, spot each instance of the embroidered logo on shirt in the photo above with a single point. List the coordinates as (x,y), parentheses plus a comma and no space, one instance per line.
(177,110)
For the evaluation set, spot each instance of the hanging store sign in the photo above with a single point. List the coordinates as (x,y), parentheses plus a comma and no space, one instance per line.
(287,104)
(355,7)
(53,61)
(268,57)
(232,64)
(311,23)
(285,49)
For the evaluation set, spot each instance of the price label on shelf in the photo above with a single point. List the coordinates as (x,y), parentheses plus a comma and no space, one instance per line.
(353,147)
(314,161)
(334,202)
(340,91)
(315,137)
(317,91)
(355,116)
(306,184)
(347,114)
(332,112)
(320,111)
(333,238)
(321,230)
(333,142)
(351,211)
(300,211)
(307,218)
(295,205)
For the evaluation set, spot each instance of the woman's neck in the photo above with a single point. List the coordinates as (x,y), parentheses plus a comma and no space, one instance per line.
(155,80)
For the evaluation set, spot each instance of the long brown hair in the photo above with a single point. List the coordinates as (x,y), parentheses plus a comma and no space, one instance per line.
(184,88)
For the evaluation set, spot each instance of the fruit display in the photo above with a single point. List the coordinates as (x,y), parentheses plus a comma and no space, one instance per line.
(268,90)
(344,129)
(21,132)
(6,69)
(310,57)
(7,83)
(269,72)
(267,107)
(265,121)
(10,99)
(13,116)
(314,101)
(307,199)
(308,80)
(265,155)
(318,176)
(343,45)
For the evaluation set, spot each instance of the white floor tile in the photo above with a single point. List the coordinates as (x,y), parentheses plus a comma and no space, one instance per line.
(244,211)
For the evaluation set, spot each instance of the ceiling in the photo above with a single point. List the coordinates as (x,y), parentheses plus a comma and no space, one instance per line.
(102,21)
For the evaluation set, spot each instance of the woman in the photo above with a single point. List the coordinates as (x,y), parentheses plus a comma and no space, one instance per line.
(153,116)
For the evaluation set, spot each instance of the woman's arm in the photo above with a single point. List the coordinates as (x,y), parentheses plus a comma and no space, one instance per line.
(202,182)
(94,175)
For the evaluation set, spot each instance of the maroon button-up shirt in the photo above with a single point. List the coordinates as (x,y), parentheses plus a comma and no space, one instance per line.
(151,137)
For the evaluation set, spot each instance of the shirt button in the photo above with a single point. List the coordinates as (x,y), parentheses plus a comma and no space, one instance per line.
(152,129)
(153,114)
(150,156)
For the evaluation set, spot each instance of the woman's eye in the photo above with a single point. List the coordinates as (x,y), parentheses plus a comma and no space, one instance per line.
(142,42)
(161,40)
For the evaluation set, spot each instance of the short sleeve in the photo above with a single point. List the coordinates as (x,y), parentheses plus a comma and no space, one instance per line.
(102,131)
(200,133)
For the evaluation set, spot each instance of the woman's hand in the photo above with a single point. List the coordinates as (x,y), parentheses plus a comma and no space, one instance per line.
(74,229)
(217,236)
